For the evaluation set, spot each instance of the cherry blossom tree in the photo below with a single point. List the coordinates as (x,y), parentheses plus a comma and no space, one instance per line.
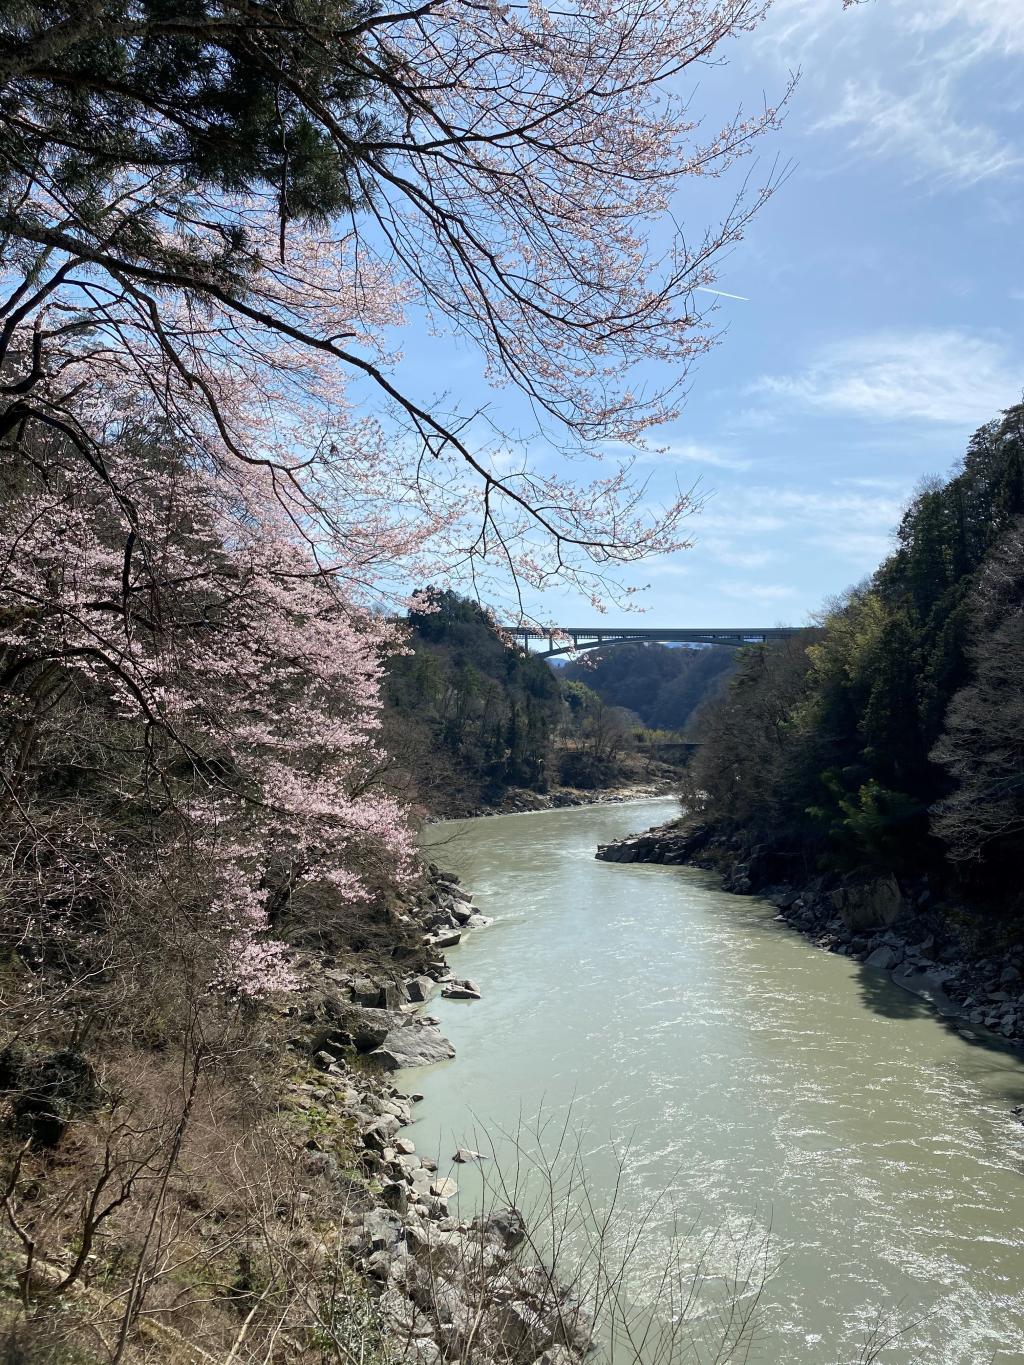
(295,174)
(215,218)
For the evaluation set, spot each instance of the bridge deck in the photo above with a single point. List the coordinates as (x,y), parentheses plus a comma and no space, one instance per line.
(572,639)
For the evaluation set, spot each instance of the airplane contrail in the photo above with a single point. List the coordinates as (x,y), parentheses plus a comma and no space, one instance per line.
(703,289)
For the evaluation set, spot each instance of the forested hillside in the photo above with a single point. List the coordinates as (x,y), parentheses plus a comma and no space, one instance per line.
(663,686)
(892,736)
(469,714)
(471,717)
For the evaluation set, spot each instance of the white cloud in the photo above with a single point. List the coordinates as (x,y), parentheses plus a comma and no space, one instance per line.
(937,92)
(692,452)
(997,25)
(865,547)
(878,483)
(939,376)
(758,592)
(666,568)
(727,553)
(921,129)
(984,27)
(844,523)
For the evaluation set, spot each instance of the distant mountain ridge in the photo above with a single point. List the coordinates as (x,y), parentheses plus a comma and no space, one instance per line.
(662,684)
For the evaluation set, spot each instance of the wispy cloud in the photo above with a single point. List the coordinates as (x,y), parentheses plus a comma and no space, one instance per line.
(939,376)
(726,552)
(997,25)
(759,592)
(797,522)
(666,568)
(879,483)
(693,452)
(922,129)
(939,86)
(981,27)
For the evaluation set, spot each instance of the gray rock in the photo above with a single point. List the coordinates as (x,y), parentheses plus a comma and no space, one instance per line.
(444,1188)
(465,1154)
(883,958)
(446,938)
(393,996)
(395,1197)
(413,1045)
(461,990)
(450,886)
(556,1355)
(367,1028)
(420,1180)
(424,1351)
(522,1329)
(506,1226)
(929,985)
(384,1229)
(378,1265)
(366,992)
(404,1316)
(379,1134)
(868,905)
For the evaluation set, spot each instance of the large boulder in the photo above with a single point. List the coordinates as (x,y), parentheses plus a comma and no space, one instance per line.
(868,905)
(366,991)
(929,985)
(522,1330)
(367,1028)
(450,888)
(506,1226)
(383,1229)
(445,938)
(461,990)
(412,1045)
(420,989)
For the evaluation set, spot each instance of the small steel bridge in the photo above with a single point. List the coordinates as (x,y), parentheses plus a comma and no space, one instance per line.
(575,639)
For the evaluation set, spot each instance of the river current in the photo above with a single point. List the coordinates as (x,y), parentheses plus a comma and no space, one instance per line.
(766,1093)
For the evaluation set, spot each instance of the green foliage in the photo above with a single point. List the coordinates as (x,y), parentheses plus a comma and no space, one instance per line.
(490,707)
(663,686)
(92,84)
(871,822)
(594,738)
(834,746)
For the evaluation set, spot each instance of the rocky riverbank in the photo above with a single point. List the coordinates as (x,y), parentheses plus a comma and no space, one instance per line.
(445,1288)
(890,925)
(522,801)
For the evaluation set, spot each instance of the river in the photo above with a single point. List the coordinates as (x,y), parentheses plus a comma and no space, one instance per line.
(767,1090)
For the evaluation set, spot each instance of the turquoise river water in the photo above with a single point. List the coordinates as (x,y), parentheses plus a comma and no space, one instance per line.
(767,1094)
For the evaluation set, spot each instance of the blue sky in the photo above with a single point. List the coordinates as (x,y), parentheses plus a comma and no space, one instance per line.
(885,299)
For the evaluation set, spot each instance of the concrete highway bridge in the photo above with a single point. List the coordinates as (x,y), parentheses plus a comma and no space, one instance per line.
(571,639)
